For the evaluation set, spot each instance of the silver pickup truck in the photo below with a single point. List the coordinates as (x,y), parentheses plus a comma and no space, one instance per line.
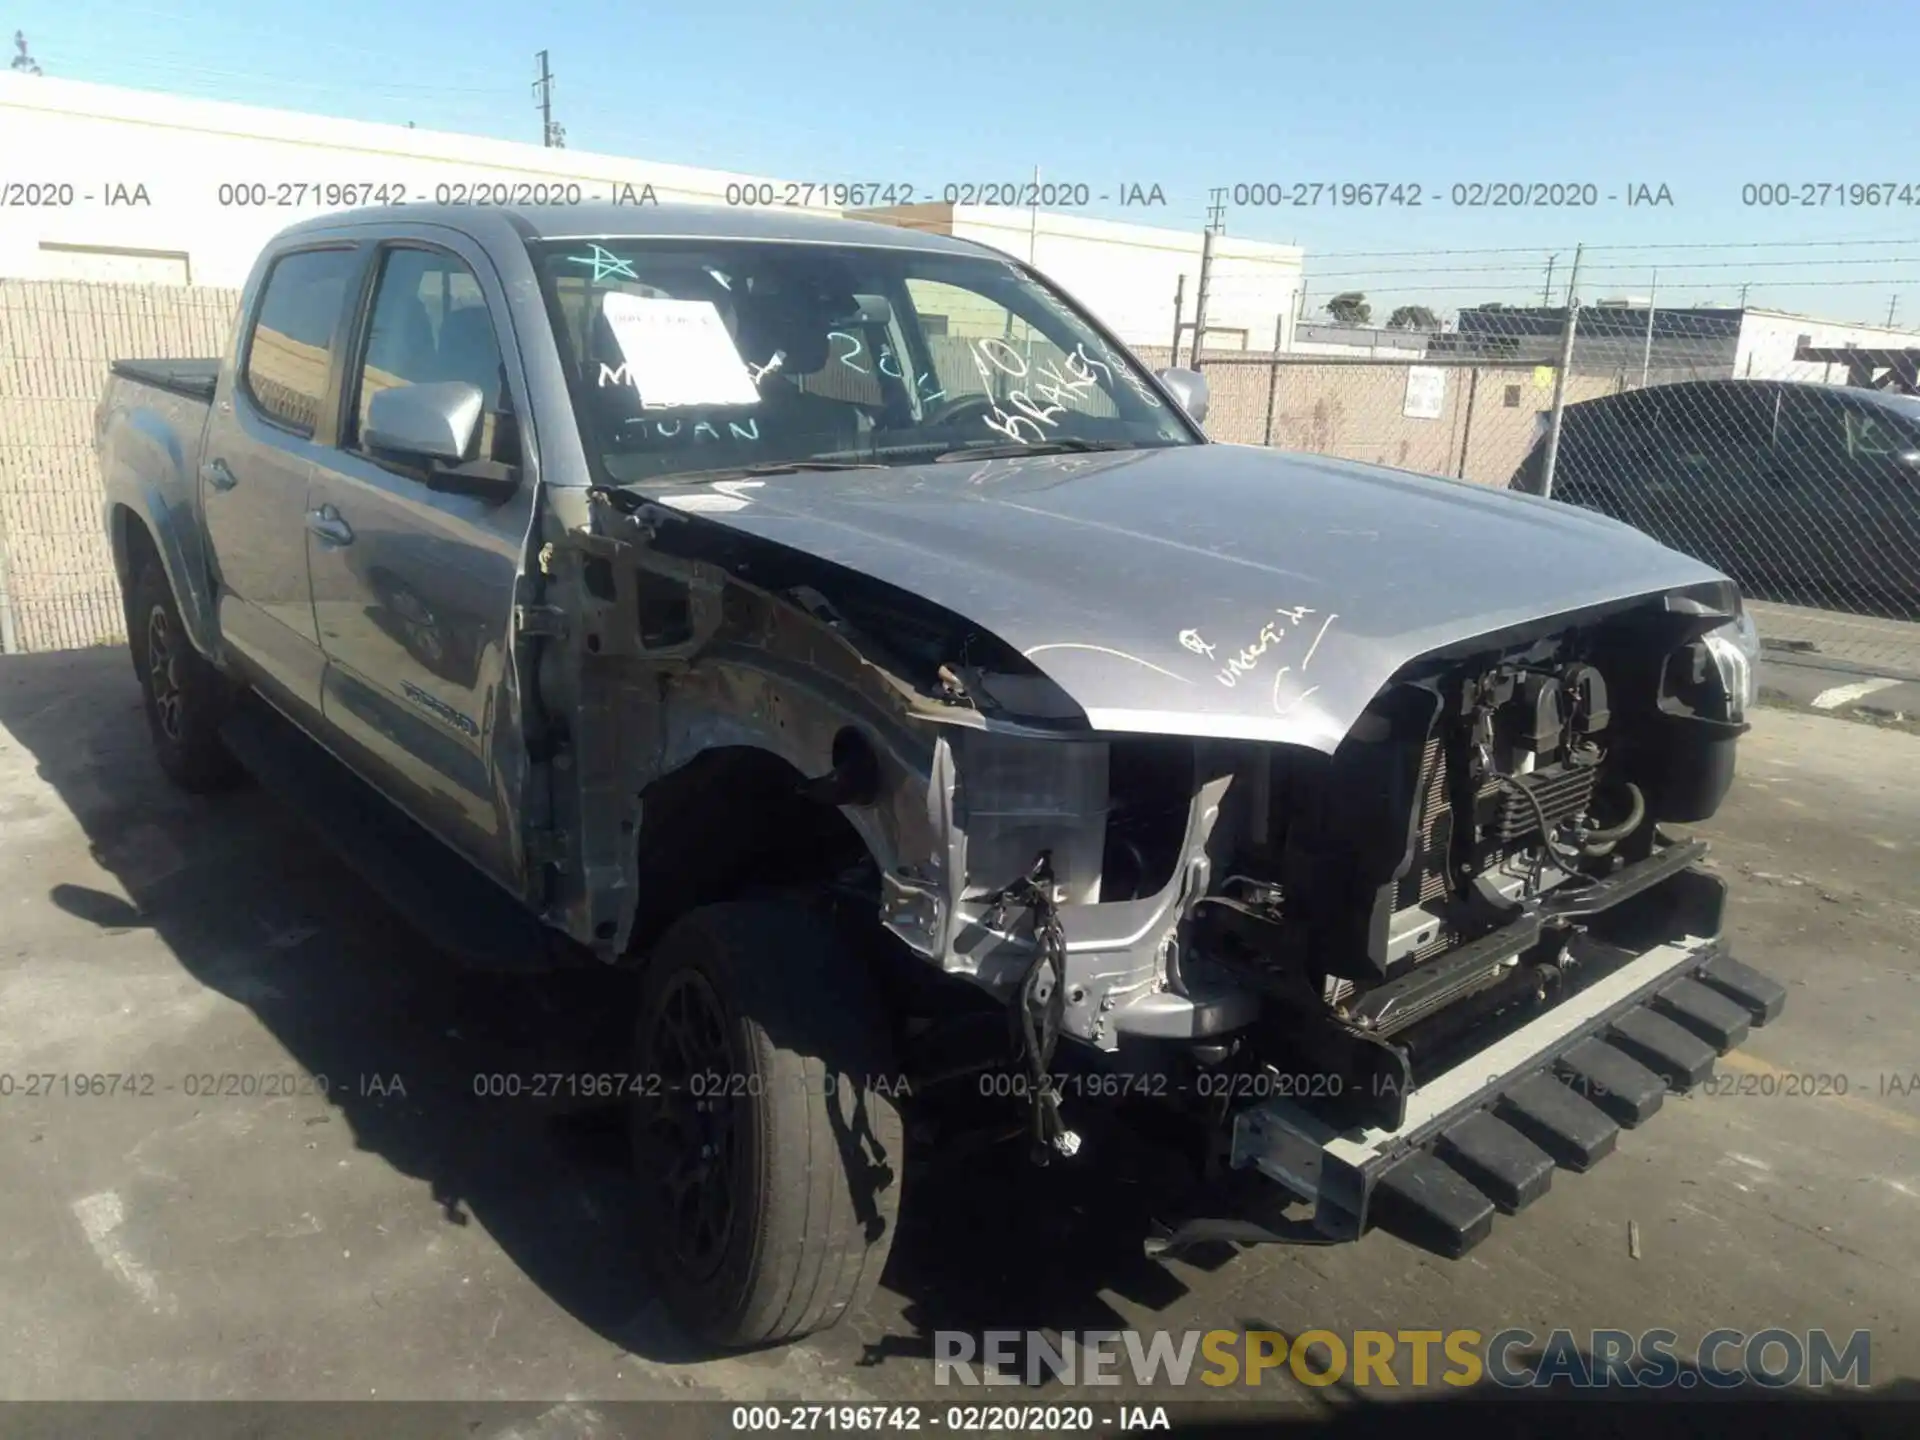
(841,625)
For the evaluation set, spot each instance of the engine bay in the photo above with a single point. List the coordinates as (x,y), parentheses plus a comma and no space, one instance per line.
(1433,872)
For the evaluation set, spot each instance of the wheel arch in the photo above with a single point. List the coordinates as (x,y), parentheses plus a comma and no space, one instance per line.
(736,816)
(133,534)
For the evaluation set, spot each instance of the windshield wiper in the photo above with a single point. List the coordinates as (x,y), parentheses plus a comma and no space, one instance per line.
(997,449)
(774,467)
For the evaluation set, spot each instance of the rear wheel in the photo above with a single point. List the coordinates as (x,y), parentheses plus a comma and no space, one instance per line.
(185,697)
(767,1150)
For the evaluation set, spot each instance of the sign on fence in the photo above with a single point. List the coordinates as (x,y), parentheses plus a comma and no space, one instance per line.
(1426,392)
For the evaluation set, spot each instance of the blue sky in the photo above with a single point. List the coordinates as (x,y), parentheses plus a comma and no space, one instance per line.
(1698,97)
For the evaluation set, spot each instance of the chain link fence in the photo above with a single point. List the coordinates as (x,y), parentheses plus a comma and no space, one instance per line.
(57,586)
(1782,450)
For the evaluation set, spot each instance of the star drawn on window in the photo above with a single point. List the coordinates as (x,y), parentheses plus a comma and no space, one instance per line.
(605,263)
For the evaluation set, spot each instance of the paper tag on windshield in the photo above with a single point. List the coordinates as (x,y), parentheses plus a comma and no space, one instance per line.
(678,352)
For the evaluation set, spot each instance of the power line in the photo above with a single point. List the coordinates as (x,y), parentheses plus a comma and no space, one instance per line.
(1739,265)
(297,43)
(1532,288)
(1679,245)
(476,94)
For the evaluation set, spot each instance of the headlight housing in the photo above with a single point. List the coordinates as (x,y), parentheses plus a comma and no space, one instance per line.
(1735,648)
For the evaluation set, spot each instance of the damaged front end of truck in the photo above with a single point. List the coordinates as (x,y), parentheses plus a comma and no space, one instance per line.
(1402,938)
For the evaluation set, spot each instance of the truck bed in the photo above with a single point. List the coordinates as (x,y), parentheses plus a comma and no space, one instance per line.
(194,379)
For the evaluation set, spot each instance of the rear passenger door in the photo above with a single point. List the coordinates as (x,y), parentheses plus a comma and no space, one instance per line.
(414,585)
(272,431)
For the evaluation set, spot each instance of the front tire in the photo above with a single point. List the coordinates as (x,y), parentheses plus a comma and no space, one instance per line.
(767,1149)
(185,697)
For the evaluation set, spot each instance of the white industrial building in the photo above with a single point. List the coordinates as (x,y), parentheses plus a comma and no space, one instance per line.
(132,185)
(1769,339)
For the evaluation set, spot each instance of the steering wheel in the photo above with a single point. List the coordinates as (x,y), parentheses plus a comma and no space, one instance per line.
(947,411)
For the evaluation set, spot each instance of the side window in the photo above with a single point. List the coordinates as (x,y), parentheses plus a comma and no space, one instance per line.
(576,308)
(1706,421)
(859,353)
(1630,425)
(1871,439)
(1812,441)
(287,354)
(1598,434)
(1719,433)
(430,324)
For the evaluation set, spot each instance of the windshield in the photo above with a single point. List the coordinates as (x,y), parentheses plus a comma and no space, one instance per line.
(701,355)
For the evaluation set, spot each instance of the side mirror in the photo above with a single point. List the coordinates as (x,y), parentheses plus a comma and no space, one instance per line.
(426,422)
(1189,387)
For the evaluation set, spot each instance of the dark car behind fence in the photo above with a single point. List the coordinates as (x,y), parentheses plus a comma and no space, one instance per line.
(1807,494)
(1806,489)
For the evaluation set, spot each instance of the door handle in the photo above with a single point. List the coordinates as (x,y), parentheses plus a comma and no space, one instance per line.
(216,474)
(327,524)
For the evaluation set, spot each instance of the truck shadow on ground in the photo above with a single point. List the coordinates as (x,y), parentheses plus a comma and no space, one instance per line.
(417,1050)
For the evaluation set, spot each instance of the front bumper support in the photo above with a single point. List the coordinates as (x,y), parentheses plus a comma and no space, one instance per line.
(1487,1134)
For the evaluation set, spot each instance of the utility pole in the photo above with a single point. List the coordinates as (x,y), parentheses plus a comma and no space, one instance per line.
(1892,305)
(1743,295)
(1546,290)
(1179,316)
(1560,378)
(1216,223)
(1646,355)
(1200,294)
(1033,217)
(551,135)
(22,61)
(1273,374)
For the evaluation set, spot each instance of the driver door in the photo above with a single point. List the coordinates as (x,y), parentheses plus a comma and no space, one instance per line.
(413,586)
